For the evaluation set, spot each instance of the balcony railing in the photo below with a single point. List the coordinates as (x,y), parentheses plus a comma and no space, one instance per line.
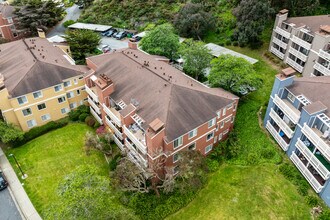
(277,52)
(322,69)
(280,43)
(301,42)
(118,142)
(322,170)
(306,173)
(112,115)
(288,111)
(92,103)
(135,140)
(298,54)
(284,126)
(96,116)
(114,128)
(282,32)
(294,64)
(276,136)
(324,54)
(323,147)
(139,157)
(91,93)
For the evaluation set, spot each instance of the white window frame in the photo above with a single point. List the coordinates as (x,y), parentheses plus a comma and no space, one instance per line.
(42,108)
(224,111)
(220,137)
(27,114)
(71,94)
(180,142)
(78,92)
(291,97)
(222,124)
(66,111)
(47,118)
(74,104)
(208,148)
(207,139)
(175,158)
(230,106)
(39,96)
(234,109)
(21,97)
(226,131)
(75,81)
(61,98)
(219,114)
(174,168)
(58,86)
(232,119)
(191,145)
(68,83)
(211,123)
(192,133)
(34,123)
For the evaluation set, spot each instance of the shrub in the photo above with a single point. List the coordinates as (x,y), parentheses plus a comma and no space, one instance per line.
(311,201)
(235,43)
(83,109)
(303,186)
(325,215)
(68,23)
(97,124)
(114,162)
(90,121)
(267,153)
(82,117)
(288,171)
(252,158)
(212,165)
(74,115)
(228,42)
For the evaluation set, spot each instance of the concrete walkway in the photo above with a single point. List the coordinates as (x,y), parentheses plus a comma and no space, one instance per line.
(22,200)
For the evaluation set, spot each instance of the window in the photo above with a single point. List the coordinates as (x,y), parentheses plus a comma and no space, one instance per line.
(22,100)
(78,92)
(234,107)
(220,137)
(209,136)
(81,77)
(31,123)
(61,99)
(291,97)
(37,95)
(227,120)
(73,105)
(27,112)
(208,148)
(75,81)
(177,142)
(45,117)
(224,111)
(41,106)
(230,106)
(222,124)
(219,114)
(192,146)
(58,88)
(81,102)
(64,110)
(232,119)
(67,83)
(175,170)
(175,158)
(192,133)
(211,122)
(10,20)
(70,95)
(226,131)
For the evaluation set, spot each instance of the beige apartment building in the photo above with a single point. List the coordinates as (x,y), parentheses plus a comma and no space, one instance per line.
(155,110)
(303,43)
(38,83)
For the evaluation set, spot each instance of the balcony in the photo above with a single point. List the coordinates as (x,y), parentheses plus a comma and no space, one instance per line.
(319,67)
(118,142)
(301,42)
(294,64)
(314,135)
(136,154)
(324,54)
(284,126)
(96,116)
(113,114)
(280,43)
(316,163)
(306,173)
(113,128)
(277,52)
(277,136)
(92,103)
(289,110)
(91,93)
(137,137)
(282,32)
(298,54)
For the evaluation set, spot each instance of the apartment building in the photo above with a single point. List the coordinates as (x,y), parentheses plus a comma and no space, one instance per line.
(303,43)
(298,117)
(7,23)
(38,83)
(155,110)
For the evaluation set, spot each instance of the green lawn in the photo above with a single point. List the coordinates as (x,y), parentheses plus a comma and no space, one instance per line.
(49,158)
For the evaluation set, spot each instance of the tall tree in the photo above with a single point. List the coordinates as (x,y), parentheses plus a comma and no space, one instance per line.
(9,133)
(232,73)
(193,21)
(196,57)
(161,41)
(252,16)
(298,7)
(82,43)
(35,14)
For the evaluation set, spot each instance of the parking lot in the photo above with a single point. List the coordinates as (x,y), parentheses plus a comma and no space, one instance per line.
(113,43)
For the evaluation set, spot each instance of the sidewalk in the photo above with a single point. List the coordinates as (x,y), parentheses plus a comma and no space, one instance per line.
(21,198)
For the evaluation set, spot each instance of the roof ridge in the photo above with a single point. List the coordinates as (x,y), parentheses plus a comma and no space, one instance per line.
(53,64)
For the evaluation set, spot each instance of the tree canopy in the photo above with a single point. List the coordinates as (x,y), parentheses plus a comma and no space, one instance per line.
(9,133)
(298,7)
(35,14)
(82,43)
(161,41)
(232,73)
(193,21)
(196,58)
(252,16)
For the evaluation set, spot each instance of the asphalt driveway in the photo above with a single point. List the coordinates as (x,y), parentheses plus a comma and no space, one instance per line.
(8,210)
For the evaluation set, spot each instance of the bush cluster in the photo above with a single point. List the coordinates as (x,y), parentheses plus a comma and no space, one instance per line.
(79,114)
(291,173)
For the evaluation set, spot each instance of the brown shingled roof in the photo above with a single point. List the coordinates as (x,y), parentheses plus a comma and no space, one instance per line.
(7,10)
(162,91)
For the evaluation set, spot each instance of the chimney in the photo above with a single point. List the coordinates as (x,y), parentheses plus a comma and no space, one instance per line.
(281,16)
(132,45)
(41,33)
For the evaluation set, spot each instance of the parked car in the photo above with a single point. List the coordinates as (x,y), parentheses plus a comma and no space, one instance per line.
(135,39)
(243,90)
(104,33)
(3,181)
(120,35)
(111,32)
(81,6)
(106,48)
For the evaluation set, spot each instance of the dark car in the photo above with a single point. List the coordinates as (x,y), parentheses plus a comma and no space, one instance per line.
(120,35)
(111,32)
(104,33)
(81,6)
(135,39)
(3,181)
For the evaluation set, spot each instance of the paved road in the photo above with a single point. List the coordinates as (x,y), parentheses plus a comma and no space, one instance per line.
(73,13)
(113,43)
(8,210)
